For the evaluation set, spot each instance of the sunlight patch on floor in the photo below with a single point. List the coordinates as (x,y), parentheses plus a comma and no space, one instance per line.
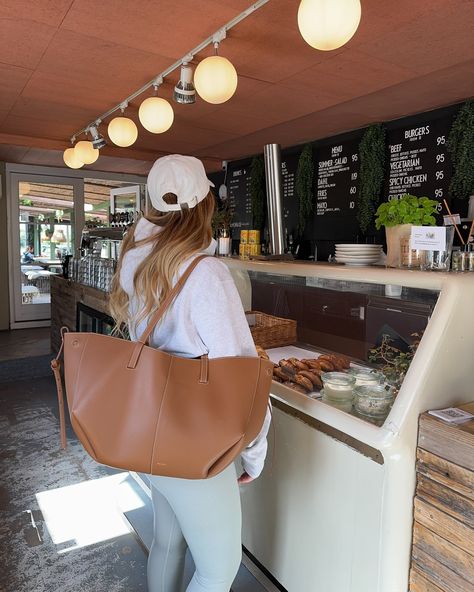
(88,513)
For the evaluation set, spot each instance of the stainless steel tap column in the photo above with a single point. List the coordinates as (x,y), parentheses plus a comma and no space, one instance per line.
(272,155)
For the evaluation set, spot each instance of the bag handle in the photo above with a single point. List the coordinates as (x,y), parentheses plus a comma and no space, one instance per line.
(143,340)
(56,368)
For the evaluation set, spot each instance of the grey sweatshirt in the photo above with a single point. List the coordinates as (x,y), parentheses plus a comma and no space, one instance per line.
(205,318)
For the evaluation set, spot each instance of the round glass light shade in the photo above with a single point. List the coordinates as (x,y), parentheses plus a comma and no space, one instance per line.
(86,152)
(328,24)
(122,131)
(156,115)
(71,159)
(215,79)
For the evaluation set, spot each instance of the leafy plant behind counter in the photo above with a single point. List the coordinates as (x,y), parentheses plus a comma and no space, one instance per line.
(257,192)
(392,361)
(409,209)
(461,146)
(371,174)
(222,217)
(304,186)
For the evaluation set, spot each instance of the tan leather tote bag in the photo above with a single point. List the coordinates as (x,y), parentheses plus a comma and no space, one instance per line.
(137,408)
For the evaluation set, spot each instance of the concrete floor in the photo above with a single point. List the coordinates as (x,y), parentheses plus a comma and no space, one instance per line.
(24,343)
(63,525)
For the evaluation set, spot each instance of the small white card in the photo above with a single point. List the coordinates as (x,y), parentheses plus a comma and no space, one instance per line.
(428,238)
(452,415)
(451,220)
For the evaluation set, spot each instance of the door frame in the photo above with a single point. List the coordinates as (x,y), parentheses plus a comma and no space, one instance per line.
(40,314)
(64,175)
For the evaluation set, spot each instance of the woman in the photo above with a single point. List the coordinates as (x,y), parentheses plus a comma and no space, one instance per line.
(205,318)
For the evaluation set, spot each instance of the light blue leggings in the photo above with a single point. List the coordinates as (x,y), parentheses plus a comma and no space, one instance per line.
(204,515)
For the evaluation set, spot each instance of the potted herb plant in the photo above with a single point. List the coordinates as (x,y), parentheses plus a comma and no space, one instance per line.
(398,216)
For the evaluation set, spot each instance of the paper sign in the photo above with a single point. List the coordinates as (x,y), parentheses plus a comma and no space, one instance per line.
(428,238)
(452,414)
(451,220)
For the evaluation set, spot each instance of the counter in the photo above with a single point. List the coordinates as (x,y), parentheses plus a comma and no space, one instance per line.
(333,511)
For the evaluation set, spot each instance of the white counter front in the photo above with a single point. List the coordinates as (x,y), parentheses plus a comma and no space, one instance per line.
(333,511)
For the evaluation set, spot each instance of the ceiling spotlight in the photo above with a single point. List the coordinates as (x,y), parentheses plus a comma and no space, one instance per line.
(215,79)
(86,152)
(97,139)
(184,91)
(71,159)
(328,24)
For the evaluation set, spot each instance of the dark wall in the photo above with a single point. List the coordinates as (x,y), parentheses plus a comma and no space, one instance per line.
(417,162)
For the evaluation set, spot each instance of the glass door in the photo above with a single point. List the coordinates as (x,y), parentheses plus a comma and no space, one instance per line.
(43,229)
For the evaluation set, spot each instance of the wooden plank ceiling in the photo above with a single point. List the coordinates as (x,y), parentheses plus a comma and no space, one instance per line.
(63,62)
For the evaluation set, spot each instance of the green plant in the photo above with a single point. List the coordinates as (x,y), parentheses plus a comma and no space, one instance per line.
(409,209)
(371,174)
(304,186)
(393,362)
(461,146)
(257,192)
(222,217)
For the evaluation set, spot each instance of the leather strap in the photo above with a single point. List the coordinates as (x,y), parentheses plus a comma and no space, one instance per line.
(161,311)
(169,299)
(204,374)
(56,368)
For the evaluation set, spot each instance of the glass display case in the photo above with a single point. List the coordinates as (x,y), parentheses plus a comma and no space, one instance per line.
(349,318)
(332,509)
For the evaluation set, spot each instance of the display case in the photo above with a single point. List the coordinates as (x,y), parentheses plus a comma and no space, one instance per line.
(332,510)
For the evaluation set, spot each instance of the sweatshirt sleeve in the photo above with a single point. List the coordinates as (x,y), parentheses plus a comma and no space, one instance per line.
(221,324)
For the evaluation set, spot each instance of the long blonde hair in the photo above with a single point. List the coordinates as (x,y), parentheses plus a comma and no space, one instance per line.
(183,233)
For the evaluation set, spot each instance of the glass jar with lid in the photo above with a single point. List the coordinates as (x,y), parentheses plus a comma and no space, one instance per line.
(338,386)
(373,401)
(366,376)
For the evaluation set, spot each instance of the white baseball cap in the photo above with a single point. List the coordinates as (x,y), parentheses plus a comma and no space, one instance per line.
(182,175)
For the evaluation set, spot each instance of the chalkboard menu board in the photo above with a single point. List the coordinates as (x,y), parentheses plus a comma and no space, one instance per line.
(240,199)
(417,161)
(336,172)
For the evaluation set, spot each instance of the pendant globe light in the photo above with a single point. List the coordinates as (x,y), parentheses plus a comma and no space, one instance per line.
(328,24)
(71,159)
(86,152)
(215,79)
(156,114)
(122,131)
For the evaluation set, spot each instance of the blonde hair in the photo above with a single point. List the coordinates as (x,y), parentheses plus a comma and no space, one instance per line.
(183,233)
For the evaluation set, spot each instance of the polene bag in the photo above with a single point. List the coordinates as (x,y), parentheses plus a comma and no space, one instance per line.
(137,408)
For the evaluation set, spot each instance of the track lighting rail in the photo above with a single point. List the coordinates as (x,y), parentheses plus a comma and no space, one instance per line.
(216,37)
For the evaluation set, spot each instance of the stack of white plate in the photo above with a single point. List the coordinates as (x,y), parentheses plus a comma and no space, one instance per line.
(352,254)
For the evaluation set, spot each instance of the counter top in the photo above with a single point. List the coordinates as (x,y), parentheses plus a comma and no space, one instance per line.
(375,274)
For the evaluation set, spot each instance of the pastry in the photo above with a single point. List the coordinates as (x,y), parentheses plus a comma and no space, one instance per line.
(261,352)
(278,374)
(287,367)
(326,365)
(315,378)
(314,365)
(304,382)
(298,364)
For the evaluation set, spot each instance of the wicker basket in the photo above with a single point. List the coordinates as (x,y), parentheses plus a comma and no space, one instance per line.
(270,331)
